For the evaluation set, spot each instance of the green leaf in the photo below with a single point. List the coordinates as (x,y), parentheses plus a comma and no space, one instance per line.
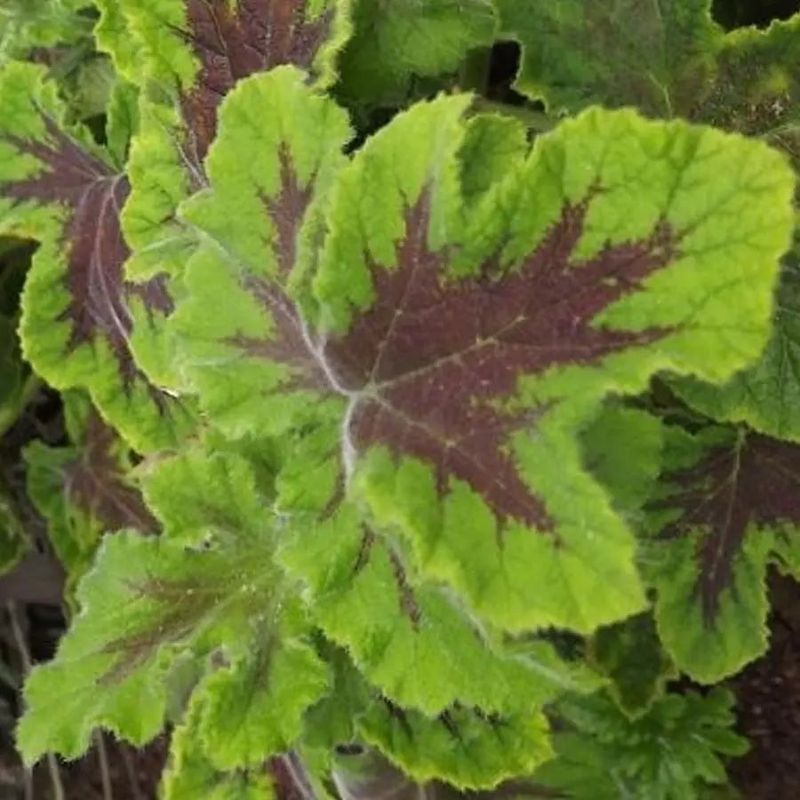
(395,41)
(13,540)
(631,654)
(622,449)
(756,88)
(190,773)
(463,747)
(671,753)
(84,490)
(728,508)
(765,395)
(80,316)
(464,350)
(655,54)
(26,25)
(255,708)
(147,603)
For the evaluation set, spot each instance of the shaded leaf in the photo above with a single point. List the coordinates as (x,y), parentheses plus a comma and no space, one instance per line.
(728,507)
(654,54)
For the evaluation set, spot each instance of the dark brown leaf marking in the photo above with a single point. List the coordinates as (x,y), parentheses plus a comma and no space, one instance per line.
(753,481)
(427,366)
(92,196)
(235,39)
(96,484)
(408,601)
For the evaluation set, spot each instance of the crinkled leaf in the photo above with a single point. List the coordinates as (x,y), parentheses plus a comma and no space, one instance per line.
(728,506)
(195,51)
(464,747)
(191,774)
(631,654)
(673,752)
(147,602)
(464,351)
(654,54)
(79,313)
(255,708)
(13,539)
(395,41)
(84,490)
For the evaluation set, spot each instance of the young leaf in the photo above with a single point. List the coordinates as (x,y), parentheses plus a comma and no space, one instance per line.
(454,359)
(79,313)
(671,753)
(655,55)
(84,490)
(395,41)
(728,509)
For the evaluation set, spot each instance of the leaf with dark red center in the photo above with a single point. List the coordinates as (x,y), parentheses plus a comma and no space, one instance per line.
(80,316)
(85,490)
(450,352)
(195,51)
(729,507)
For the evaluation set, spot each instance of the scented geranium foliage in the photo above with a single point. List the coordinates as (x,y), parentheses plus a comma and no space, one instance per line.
(366,471)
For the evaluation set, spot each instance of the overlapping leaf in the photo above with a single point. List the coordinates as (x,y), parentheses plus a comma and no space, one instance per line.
(84,490)
(190,53)
(395,42)
(674,752)
(728,510)
(79,313)
(462,351)
(150,602)
(654,54)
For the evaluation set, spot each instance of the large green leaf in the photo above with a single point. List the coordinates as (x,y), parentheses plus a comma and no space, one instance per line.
(453,353)
(80,316)
(654,54)
(727,510)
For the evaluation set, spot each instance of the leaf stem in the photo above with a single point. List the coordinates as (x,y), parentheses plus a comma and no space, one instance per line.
(105,772)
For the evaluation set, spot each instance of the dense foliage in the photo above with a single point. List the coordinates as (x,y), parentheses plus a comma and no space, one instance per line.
(421,431)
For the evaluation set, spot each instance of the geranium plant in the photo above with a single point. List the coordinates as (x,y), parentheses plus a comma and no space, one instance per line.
(418,439)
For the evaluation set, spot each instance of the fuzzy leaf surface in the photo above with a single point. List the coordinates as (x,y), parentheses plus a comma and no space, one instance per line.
(448,357)
(79,313)
(727,510)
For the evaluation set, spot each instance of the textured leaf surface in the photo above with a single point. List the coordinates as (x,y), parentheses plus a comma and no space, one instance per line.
(395,41)
(462,350)
(25,25)
(654,54)
(146,602)
(729,508)
(672,753)
(463,747)
(79,313)
(196,51)
(190,773)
